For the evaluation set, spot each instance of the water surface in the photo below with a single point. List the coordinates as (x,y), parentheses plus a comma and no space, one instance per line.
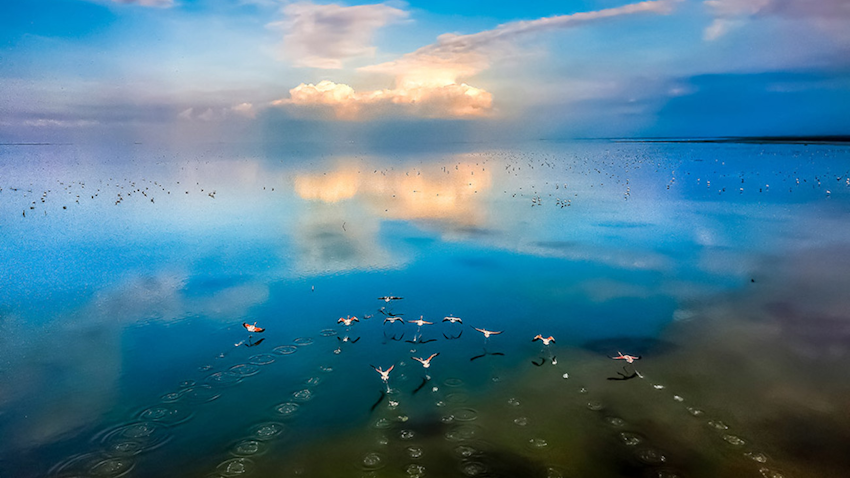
(127,273)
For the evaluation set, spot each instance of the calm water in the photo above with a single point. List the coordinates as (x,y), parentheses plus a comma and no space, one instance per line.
(126,274)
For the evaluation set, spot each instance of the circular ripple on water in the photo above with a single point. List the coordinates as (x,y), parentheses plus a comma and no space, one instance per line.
(223,379)
(202,393)
(326,368)
(285,349)
(631,438)
(695,411)
(415,470)
(261,359)
(302,341)
(406,434)
(616,422)
(463,433)
(133,438)
(245,369)
(167,415)
(768,473)
(595,406)
(513,402)
(112,467)
(755,456)
(415,452)
(327,332)
(171,397)
(267,431)
(554,472)
(538,443)
(521,421)
(473,468)
(287,409)
(382,423)
(303,395)
(457,398)
(313,381)
(718,425)
(465,414)
(453,382)
(733,440)
(187,383)
(373,461)
(236,467)
(651,456)
(249,447)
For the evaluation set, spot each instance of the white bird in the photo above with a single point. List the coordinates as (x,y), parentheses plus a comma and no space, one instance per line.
(487,333)
(453,320)
(426,362)
(546,340)
(385,374)
(348,320)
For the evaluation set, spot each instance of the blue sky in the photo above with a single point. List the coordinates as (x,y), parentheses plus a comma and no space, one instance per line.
(276,70)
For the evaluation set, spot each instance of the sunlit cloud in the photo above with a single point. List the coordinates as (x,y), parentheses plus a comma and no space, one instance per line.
(446,101)
(429,81)
(325,36)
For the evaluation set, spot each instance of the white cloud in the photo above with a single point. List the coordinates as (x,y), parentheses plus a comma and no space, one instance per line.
(730,14)
(451,100)
(428,81)
(325,36)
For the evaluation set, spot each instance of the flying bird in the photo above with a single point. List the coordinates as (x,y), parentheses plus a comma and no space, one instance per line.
(546,340)
(393,320)
(385,374)
(453,320)
(420,322)
(426,362)
(347,321)
(487,333)
(389,298)
(627,358)
(253,327)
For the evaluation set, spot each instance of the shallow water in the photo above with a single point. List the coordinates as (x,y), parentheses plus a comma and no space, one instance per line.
(127,273)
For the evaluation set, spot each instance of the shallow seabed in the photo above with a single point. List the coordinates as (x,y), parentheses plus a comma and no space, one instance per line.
(127,273)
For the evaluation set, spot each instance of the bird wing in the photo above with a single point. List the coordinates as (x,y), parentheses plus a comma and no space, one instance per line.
(433,355)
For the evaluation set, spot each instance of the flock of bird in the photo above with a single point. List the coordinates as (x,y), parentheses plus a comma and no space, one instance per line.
(393,318)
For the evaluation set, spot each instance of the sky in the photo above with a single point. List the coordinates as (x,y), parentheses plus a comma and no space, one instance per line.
(395,72)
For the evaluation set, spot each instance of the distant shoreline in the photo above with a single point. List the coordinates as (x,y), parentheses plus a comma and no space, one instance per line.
(837,139)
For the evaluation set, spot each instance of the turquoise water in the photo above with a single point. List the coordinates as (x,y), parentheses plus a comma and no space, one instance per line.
(127,273)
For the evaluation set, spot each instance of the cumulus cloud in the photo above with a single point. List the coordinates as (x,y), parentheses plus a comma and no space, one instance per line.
(731,14)
(428,81)
(450,100)
(325,36)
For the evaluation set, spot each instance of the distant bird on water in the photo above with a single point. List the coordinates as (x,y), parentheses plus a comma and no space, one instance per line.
(253,327)
(627,358)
